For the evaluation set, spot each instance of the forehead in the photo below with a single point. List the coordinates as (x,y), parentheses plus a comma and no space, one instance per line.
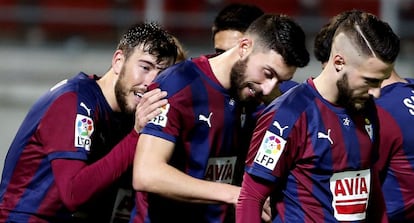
(271,59)
(226,39)
(375,68)
(140,54)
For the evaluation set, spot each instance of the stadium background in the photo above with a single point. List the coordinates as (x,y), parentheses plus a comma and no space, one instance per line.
(45,41)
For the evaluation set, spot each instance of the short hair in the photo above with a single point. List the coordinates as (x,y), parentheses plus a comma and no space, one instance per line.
(323,39)
(152,37)
(181,52)
(281,33)
(236,16)
(371,36)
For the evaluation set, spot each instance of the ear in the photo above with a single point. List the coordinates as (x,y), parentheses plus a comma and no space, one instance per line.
(339,62)
(118,60)
(245,45)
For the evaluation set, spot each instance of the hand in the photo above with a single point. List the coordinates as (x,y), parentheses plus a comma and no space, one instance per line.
(267,212)
(149,107)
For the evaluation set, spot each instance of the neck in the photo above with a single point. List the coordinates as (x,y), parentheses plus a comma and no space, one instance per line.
(325,84)
(394,78)
(222,64)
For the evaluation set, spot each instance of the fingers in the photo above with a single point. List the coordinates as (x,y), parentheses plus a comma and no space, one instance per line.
(267,211)
(152,96)
(149,107)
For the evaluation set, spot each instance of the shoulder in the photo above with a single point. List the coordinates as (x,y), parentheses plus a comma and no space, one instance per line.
(176,77)
(287,85)
(295,100)
(286,110)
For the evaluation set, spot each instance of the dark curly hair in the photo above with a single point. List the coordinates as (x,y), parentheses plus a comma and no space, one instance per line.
(154,39)
(281,33)
(236,16)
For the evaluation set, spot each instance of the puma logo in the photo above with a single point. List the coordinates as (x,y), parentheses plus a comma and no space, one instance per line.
(322,135)
(281,129)
(86,108)
(206,119)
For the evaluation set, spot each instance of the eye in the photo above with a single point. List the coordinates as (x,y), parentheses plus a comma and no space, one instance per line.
(373,82)
(146,68)
(269,74)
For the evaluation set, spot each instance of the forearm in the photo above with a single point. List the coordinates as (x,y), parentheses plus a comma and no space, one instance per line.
(252,197)
(80,182)
(172,183)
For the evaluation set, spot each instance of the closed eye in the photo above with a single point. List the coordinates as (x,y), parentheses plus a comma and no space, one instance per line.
(373,82)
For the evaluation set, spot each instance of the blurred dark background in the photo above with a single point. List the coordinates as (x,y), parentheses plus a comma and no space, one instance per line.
(45,41)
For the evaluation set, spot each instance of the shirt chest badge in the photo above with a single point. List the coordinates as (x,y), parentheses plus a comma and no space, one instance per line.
(350,192)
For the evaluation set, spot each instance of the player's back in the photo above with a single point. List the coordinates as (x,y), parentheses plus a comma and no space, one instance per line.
(397,156)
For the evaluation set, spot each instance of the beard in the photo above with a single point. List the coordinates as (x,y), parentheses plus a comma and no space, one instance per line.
(237,77)
(345,96)
(237,81)
(121,94)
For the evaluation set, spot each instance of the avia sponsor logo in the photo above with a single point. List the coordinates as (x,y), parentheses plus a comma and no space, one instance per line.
(83,130)
(270,150)
(221,169)
(161,119)
(350,192)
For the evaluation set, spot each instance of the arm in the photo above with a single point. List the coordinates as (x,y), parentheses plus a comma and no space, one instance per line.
(152,173)
(78,183)
(253,195)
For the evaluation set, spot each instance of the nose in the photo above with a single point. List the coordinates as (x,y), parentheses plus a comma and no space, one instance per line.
(375,92)
(268,86)
(150,77)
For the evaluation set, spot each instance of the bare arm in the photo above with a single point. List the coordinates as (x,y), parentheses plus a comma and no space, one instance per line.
(152,173)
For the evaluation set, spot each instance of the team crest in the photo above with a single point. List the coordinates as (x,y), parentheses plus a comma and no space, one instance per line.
(162,118)
(83,130)
(270,150)
(368,128)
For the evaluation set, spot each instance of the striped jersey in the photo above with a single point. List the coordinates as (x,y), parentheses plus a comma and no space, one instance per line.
(397,149)
(200,120)
(71,121)
(319,156)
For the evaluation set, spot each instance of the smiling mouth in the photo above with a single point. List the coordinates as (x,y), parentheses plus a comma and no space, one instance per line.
(138,94)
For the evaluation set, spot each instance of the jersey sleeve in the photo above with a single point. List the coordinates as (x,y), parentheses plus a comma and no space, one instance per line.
(276,142)
(168,123)
(268,153)
(81,182)
(60,126)
(165,125)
